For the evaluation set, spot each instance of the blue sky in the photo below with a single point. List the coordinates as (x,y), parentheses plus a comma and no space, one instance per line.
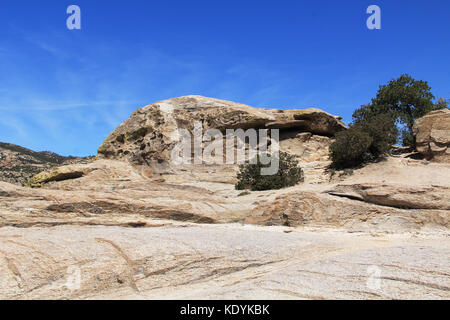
(64,91)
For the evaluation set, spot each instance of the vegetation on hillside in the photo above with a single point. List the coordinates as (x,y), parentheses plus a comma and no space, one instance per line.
(42,156)
(19,164)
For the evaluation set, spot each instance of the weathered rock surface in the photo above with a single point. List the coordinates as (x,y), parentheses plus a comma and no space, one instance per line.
(111,193)
(312,152)
(185,261)
(58,174)
(432,134)
(152,132)
(115,190)
(392,195)
(304,207)
(398,196)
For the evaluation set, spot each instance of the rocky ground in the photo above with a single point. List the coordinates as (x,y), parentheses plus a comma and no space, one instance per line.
(130,236)
(118,228)
(170,260)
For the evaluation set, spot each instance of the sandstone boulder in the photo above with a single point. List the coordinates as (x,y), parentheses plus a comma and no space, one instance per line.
(151,133)
(432,134)
(58,174)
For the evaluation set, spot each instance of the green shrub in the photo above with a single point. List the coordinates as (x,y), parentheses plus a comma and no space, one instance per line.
(288,175)
(383,131)
(368,138)
(351,148)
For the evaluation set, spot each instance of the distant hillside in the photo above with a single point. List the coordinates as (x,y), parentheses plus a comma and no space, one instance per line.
(18,164)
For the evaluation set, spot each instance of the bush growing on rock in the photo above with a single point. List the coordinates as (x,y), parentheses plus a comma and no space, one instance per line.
(288,175)
(376,126)
(383,131)
(366,139)
(351,148)
(403,100)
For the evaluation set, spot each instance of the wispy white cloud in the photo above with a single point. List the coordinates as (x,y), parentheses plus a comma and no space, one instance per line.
(50,105)
(47,47)
(13,123)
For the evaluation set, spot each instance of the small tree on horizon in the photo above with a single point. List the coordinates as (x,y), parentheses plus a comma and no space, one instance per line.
(442,104)
(404,100)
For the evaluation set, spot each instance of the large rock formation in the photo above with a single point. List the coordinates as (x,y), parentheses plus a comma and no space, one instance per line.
(432,134)
(152,132)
